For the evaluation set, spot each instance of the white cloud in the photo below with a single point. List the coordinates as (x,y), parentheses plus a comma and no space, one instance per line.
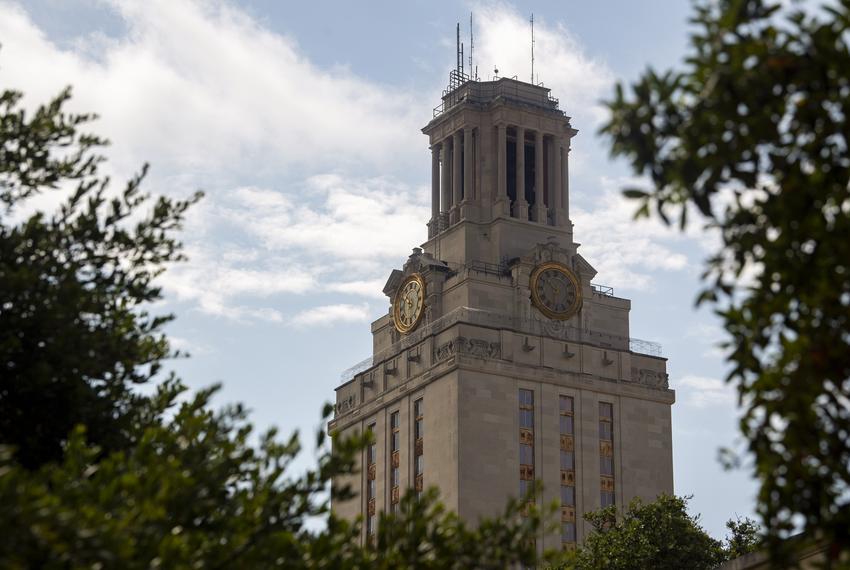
(626,253)
(200,85)
(503,39)
(332,314)
(702,392)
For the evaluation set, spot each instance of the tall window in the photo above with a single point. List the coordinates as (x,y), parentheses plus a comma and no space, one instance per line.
(568,473)
(526,442)
(418,434)
(606,453)
(395,441)
(371,472)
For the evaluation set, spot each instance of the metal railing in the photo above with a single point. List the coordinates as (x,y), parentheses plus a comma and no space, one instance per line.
(602,289)
(547,328)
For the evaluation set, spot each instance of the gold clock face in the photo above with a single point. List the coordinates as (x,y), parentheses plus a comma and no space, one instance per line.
(409,303)
(555,290)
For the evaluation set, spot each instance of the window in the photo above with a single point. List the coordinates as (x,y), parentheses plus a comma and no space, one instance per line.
(419,460)
(566,425)
(526,442)
(568,496)
(371,484)
(568,479)
(395,443)
(606,466)
(606,454)
(419,426)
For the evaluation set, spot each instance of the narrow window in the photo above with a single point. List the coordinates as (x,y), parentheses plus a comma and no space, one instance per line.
(371,487)
(395,462)
(526,442)
(606,454)
(418,432)
(568,473)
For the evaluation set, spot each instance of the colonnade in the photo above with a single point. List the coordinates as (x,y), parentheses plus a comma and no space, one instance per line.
(534,190)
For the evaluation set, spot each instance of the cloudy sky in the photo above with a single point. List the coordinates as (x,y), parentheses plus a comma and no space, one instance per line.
(301,122)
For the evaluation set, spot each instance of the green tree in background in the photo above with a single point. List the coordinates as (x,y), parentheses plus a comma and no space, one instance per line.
(95,475)
(752,133)
(75,339)
(659,535)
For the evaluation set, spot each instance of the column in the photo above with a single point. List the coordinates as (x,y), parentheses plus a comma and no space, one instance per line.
(564,181)
(446,175)
(468,165)
(457,177)
(501,205)
(565,202)
(434,224)
(520,206)
(557,178)
(539,212)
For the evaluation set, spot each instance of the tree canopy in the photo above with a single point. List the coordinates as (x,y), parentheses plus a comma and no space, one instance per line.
(751,134)
(659,535)
(75,336)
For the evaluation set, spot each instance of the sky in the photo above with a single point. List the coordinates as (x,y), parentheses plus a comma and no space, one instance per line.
(301,122)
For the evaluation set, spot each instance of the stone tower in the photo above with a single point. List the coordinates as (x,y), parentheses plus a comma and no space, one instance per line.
(499,362)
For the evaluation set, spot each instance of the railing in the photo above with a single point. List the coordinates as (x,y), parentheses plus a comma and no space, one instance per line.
(547,328)
(603,289)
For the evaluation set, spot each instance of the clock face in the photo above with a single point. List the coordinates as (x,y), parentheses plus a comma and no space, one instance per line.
(409,303)
(555,290)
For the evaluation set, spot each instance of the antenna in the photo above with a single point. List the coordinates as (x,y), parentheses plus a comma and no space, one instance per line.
(459,55)
(471,46)
(532,48)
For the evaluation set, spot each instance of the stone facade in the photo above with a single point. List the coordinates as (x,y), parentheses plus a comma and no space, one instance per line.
(482,340)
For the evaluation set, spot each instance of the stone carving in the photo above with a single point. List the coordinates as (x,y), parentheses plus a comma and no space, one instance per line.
(473,346)
(650,378)
(346,404)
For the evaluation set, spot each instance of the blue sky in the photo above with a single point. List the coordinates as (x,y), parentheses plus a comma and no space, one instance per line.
(301,122)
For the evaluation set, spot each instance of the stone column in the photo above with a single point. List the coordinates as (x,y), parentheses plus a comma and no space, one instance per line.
(565,182)
(556,179)
(457,177)
(565,203)
(539,212)
(501,206)
(435,181)
(468,165)
(446,186)
(520,206)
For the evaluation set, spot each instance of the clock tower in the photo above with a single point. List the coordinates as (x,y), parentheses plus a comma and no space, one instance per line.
(500,361)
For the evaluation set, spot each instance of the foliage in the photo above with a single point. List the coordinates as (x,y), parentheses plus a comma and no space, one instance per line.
(194,493)
(744,537)
(659,535)
(94,475)
(752,133)
(74,341)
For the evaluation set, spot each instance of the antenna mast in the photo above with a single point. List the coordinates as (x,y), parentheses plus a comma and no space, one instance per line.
(473,73)
(532,48)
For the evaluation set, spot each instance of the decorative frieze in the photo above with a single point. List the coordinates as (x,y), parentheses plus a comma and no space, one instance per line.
(650,378)
(472,346)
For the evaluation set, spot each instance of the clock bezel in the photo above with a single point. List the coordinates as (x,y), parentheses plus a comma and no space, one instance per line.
(396,316)
(541,306)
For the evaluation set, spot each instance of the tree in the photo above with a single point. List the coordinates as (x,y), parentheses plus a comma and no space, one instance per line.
(192,492)
(75,340)
(659,535)
(752,133)
(92,474)
(744,537)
